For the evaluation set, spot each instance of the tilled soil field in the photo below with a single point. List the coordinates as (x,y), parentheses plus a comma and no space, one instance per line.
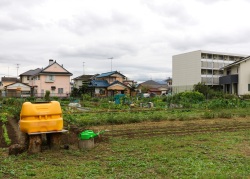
(144,129)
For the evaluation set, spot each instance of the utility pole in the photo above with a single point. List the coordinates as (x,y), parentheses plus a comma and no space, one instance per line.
(17,67)
(83,69)
(111,58)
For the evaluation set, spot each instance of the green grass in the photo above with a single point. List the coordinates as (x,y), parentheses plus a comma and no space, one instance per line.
(210,155)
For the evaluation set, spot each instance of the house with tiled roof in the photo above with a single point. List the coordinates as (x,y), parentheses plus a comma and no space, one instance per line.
(79,81)
(53,78)
(152,86)
(17,89)
(110,84)
(6,81)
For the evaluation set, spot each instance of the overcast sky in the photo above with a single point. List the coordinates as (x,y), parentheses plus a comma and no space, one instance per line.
(140,35)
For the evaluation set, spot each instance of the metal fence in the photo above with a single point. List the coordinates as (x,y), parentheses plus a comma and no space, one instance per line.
(37,95)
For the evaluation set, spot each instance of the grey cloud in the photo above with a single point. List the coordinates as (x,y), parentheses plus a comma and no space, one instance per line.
(195,41)
(99,51)
(4,3)
(90,22)
(15,58)
(17,23)
(14,17)
(211,1)
(172,10)
(17,4)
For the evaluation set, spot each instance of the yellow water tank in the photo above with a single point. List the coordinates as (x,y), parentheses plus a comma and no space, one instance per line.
(41,117)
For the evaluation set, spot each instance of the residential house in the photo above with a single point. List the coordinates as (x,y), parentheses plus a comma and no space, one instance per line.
(109,84)
(199,67)
(152,86)
(83,80)
(6,81)
(169,81)
(236,77)
(27,76)
(17,90)
(54,78)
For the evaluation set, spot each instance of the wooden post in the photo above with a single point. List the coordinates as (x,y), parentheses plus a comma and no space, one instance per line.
(35,144)
(54,140)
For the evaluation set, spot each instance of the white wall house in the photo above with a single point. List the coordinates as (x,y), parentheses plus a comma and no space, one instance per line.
(236,77)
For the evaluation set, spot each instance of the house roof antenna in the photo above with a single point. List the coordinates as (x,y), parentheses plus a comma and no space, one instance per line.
(111,58)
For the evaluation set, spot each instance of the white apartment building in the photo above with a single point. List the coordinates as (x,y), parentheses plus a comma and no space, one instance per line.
(203,66)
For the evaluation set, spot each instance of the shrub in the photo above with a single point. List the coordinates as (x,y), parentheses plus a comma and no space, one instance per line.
(202,88)
(227,115)
(86,97)
(47,95)
(31,99)
(208,115)
(245,96)
(186,99)
(230,96)
(225,103)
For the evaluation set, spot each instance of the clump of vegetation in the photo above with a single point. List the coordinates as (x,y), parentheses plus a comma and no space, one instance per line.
(207,91)
(4,120)
(47,95)
(184,99)
(5,135)
(225,103)
(245,96)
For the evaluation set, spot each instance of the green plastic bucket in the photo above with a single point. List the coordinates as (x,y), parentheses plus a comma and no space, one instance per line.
(86,135)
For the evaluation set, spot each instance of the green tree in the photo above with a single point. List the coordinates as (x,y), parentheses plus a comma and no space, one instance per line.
(202,88)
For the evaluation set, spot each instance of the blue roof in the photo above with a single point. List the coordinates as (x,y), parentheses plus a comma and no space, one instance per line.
(108,74)
(99,83)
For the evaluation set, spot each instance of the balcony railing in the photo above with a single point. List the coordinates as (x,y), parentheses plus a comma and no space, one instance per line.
(210,80)
(229,79)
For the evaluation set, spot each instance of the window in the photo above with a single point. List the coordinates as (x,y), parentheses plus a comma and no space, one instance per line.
(38,77)
(231,58)
(203,71)
(60,90)
(50,78)
(216,72)
(102,91)
(203,55)
(248,87)
(28,78)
